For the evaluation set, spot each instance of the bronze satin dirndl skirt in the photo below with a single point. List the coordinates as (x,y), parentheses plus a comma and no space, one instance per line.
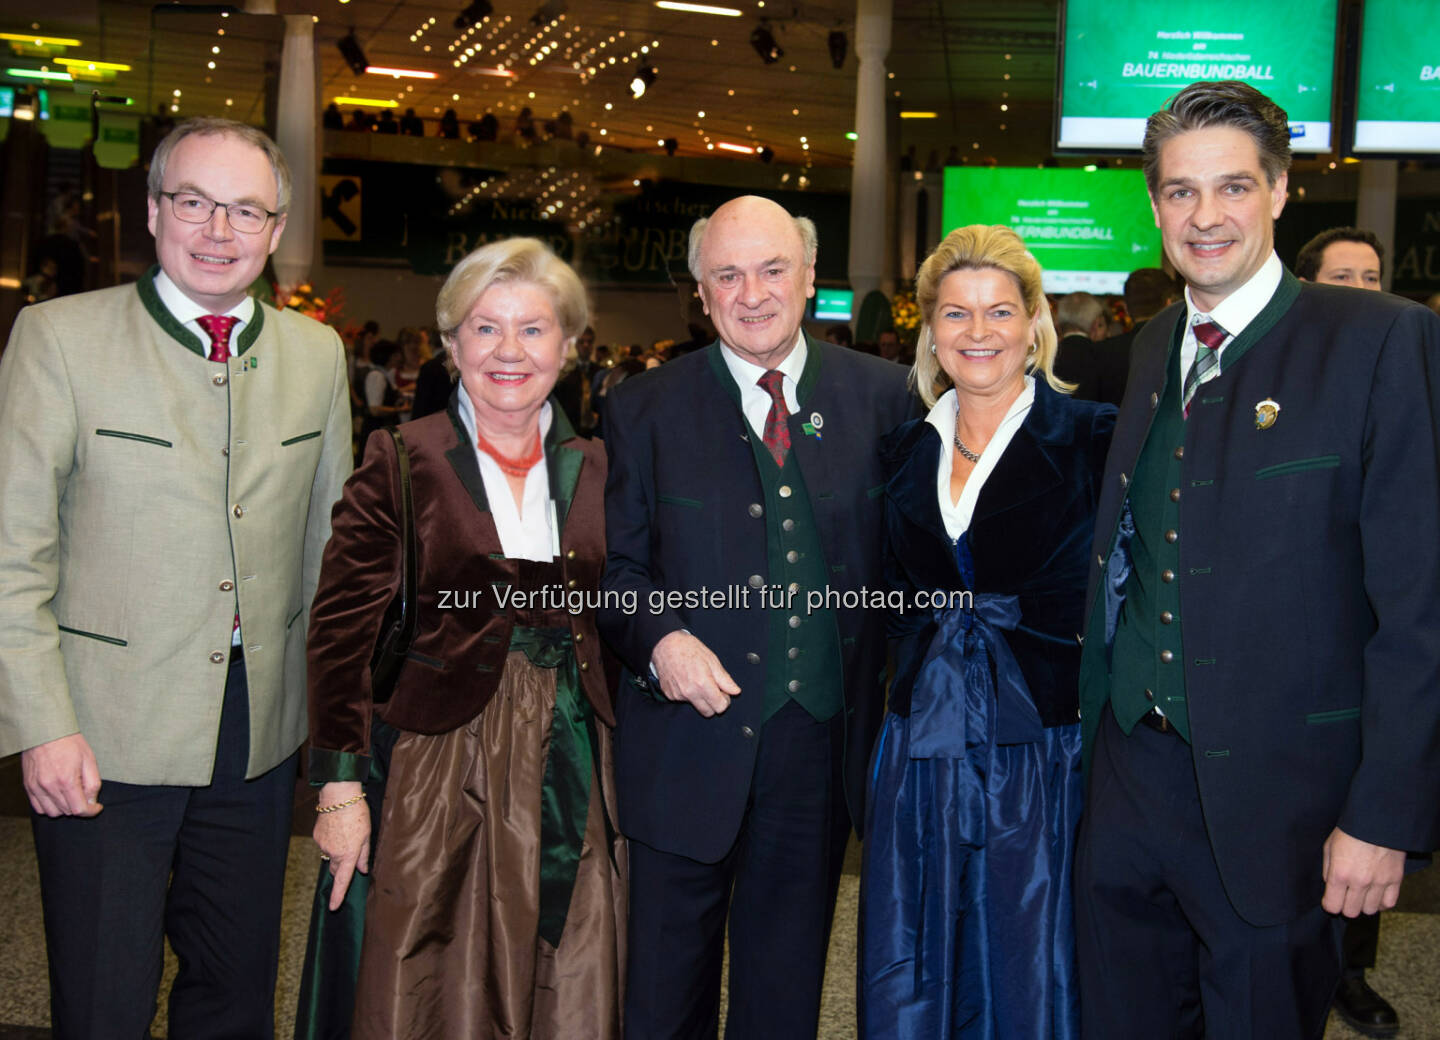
(452,945)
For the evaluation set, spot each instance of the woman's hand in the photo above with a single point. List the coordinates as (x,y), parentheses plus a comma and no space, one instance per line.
(343,836)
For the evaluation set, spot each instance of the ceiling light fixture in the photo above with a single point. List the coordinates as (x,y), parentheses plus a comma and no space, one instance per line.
(763,40)
(353,53)
(473,14)
(367,102)
(675,5)
(918,115)
(85,63)
(40,41)
(382,70)
(740,148)
(38,74)
(643,80)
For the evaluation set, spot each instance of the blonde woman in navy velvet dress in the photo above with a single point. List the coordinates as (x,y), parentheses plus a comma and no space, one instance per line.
(975,788)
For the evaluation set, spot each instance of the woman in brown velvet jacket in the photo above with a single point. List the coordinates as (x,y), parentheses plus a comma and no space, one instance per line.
(496,901)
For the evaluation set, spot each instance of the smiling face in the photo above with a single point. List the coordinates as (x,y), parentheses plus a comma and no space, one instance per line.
(1215,210)
(754,279)
(509,350)
(1355,264)
(212,263)
(981,331)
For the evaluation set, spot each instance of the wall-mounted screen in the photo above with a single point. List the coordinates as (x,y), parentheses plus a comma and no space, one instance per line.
(1121,60)
(1088,228)
(1397,91)
(834,304)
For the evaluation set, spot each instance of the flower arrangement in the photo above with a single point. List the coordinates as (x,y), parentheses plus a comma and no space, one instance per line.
(307,300)
(905,314)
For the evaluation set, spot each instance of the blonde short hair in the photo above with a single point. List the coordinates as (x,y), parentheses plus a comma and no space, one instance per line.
(971,249)
(512,260)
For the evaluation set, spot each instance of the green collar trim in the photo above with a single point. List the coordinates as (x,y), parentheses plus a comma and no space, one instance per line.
(150,299)
(1286,294)
(562,462)
(809,375)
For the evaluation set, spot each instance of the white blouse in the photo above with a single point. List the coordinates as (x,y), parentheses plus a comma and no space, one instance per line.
(957,515)
(532,532)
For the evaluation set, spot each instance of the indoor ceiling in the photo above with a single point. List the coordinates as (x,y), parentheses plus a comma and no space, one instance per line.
(985,70)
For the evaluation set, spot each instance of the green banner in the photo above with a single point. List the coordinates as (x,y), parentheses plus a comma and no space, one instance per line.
(69,122)
(1397,94)
(1087,228)
(119,145)
(1123,59)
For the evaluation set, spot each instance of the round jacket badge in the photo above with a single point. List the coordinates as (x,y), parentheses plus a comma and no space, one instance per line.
(1266,412)
(817,420)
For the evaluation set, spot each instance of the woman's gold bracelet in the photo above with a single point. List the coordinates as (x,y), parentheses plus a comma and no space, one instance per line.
(340,805)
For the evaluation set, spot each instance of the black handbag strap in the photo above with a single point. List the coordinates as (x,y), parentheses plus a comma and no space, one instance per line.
(408,580)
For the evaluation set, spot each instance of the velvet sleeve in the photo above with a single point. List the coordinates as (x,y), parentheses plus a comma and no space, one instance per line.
(359,576)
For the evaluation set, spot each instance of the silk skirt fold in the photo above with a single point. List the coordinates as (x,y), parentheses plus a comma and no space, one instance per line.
(451,943)
(966,916)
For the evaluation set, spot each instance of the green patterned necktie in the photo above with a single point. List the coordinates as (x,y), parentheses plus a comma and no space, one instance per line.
(1206,366)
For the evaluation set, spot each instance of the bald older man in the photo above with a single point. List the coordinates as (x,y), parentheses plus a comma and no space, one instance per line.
(743,516)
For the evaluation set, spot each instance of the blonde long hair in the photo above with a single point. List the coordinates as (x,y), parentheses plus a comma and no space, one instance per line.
(974,248)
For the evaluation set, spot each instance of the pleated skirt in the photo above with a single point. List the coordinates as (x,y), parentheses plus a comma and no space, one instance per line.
(452,946)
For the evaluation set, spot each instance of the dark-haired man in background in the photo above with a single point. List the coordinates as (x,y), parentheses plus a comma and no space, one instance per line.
(1261,611)
(1352,257)
(1342,256)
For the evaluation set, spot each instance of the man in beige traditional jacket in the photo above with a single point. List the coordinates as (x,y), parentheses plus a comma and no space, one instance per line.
(169,453)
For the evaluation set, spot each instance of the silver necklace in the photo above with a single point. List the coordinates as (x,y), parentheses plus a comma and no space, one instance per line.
(960,447)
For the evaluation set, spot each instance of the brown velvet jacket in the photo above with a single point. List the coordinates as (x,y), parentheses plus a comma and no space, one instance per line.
(463,631)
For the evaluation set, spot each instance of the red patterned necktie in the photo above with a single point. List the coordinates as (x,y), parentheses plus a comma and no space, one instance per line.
(219,326)
(1206,366)
(777,425)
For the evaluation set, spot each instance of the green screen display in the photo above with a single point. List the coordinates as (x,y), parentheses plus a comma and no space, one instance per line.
(1088,229)
(834,304)
(1123,59)
(1397,95)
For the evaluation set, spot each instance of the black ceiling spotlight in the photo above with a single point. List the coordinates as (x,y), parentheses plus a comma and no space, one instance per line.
(766,154)
(670,144)
(763,40)
(548,12)
(474,14)
(642,81)
(351,51)
(838,46)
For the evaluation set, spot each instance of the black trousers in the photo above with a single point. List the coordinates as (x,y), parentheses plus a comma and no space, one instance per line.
(204,866)
(1362,939)
(1161,951)
(777,884)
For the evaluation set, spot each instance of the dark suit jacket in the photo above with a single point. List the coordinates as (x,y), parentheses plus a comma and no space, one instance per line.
(1098,369)
(463,633)
(680,507)
(1030,537)
(1310,584)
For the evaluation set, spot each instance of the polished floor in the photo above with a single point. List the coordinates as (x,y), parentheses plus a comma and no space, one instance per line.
(1408,973)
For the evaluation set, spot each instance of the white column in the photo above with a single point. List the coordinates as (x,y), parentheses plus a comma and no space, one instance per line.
(295,133)
(1375,209)
(868,242)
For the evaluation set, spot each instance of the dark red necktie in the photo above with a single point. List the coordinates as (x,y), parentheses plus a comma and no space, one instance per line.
(219,326)
(1206,366)
(777,423)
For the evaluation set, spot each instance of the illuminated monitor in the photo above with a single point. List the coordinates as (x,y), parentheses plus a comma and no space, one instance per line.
(1397,90)
(834,304)
(1088,228)
(1121,60)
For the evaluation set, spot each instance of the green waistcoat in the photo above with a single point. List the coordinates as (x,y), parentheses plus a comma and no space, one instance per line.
(803,647)
(1146,665)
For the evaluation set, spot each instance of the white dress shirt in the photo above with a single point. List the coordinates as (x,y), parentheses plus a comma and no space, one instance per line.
(531,532)
(754,401)
(957,515)
(186,311)
(1232,314)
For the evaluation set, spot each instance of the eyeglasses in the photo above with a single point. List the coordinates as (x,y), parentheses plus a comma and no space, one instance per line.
(193,208)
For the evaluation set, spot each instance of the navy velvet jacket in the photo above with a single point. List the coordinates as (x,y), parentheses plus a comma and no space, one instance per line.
(1030,537)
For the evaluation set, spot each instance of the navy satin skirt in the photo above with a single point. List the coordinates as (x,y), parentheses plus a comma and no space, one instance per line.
(966,923)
